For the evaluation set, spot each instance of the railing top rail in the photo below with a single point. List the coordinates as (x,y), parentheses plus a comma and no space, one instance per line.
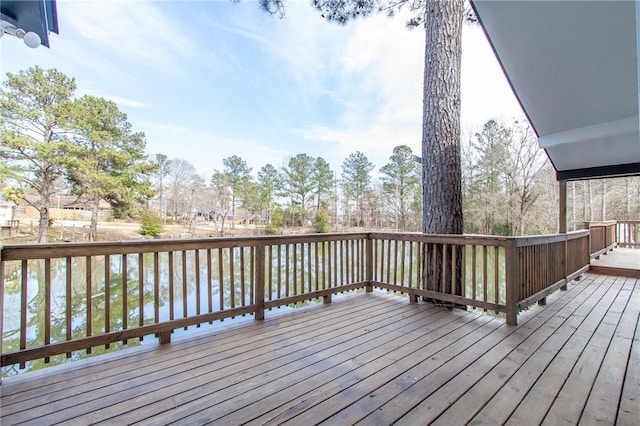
(534,240)
(465,239)
(601,223)
(61,250)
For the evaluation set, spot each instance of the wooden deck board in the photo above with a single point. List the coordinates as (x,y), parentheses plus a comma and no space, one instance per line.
(607,389)
(368,358)
(623,262)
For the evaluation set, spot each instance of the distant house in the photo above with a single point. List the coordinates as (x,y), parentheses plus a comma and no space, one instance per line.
(8,226)
(7,210)
(70,202)
(255,219)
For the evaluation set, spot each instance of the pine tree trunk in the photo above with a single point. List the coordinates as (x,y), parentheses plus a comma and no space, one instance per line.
(43,226)
(441,182)
(93,229)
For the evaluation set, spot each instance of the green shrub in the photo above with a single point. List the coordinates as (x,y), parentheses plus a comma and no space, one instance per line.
(150,224)
(322,222)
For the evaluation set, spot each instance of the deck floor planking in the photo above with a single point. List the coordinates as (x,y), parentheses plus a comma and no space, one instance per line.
(367,358)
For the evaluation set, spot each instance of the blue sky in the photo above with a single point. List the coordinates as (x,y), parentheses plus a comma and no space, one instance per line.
(205,80)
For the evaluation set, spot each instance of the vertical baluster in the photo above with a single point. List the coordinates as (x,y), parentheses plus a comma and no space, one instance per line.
(196,254)
(443,276)
(419,266)
(47,303)
(361,261)
(463,272)
(107,295)
(252,274)
(24,278)
(403,251)
(141,291)
(324,265)
(171,295)
(286,271)
(343,267)
(68,310)
(395,262)
(337,263)
(473,272)
(454,268)
(485,279)
(309,267)
(304,277)
(279,271)
(329,263)
(381,259)
(242,286)
(374,259)
(221,278)
(434,267)
(411,262)
(270,269)
(156,287)
(317,269)
(184,285)
(295,269)
(350,244)
(496,267)
(388,260)
(232,277)
(125,294)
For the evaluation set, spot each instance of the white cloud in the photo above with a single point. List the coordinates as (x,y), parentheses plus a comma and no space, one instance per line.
(136,30)
(383,71)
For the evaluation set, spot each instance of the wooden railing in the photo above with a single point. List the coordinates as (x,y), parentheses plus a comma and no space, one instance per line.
(628,233)
(603,236)
(60,299)
(546,263)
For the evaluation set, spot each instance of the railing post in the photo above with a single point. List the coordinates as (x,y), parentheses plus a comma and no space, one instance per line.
(259,274)
(369,287)
(511,281)
(164,337)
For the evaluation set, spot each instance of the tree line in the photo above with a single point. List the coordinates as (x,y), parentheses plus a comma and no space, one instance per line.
(302,192)
(54,141)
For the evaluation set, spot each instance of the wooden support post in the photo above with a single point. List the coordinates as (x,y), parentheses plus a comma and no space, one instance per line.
(327,298)
(511,278)
(165,337)
(543,301)
(562,226)
(369,287)
(259,274)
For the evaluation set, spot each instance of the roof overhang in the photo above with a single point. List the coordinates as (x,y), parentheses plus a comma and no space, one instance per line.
(38,16)
(574,67)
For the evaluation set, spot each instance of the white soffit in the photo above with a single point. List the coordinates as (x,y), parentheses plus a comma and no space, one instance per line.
(574,67)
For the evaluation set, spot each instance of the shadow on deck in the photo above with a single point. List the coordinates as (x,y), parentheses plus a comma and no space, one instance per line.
(622,262)
(367,358)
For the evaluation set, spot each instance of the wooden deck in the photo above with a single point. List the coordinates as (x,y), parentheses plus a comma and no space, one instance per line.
(624,262)
(370,359)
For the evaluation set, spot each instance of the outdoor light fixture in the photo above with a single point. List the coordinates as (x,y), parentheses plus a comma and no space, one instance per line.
(8,26)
